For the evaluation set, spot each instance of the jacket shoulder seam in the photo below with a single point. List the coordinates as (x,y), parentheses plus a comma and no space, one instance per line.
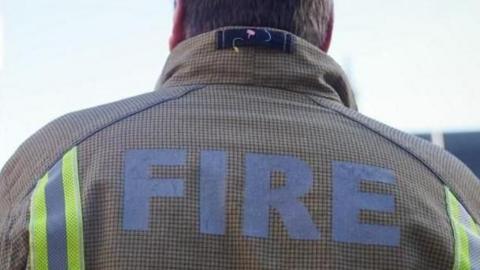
(106,125)
(421,160)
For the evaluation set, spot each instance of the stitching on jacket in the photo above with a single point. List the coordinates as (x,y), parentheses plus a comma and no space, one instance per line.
(419,158)
(422,161)
(137,112)
(307,95)
(111,123)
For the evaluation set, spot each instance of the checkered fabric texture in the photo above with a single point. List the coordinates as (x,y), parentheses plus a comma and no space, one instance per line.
(255,100)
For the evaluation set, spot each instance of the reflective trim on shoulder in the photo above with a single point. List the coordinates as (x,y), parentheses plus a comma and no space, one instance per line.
(466,234)
(56,224)
(38,227)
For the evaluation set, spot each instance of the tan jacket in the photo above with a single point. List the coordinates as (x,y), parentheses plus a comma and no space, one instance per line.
(250,154)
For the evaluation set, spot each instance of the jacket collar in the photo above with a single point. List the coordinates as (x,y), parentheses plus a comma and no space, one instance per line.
(306,69)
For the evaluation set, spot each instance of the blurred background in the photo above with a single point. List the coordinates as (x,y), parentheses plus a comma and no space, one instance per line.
(414,64)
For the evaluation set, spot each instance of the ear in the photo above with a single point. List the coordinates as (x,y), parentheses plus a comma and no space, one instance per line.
(328,34)
(178,31)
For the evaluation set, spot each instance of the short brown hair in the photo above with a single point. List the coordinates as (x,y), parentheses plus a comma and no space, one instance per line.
(308,19)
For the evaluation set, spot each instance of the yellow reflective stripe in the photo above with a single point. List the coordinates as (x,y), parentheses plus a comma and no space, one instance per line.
(475,228)
(462,245)
(38,227)
(56,224)
(73,211)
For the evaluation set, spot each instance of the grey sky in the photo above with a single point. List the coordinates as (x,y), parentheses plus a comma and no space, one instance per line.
(414,64)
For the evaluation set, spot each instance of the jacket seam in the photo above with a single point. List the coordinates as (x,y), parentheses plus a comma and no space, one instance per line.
(112,123)
(80,141)
(420,159)
(339,100)
(417,157)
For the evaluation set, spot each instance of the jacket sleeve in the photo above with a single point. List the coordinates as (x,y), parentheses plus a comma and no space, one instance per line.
(14,204)
(41,152)
(18,179)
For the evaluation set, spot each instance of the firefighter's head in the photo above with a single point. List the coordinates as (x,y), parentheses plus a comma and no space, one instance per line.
(308,19)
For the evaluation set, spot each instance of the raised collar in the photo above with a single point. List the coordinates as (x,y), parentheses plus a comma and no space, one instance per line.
(304,68)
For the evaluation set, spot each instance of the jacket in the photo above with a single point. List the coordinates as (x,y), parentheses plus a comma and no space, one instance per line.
(250,154)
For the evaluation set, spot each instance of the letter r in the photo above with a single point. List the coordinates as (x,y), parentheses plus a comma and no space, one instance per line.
(259,196)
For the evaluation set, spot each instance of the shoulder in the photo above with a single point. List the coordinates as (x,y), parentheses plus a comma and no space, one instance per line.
(445,167)
(43,149)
